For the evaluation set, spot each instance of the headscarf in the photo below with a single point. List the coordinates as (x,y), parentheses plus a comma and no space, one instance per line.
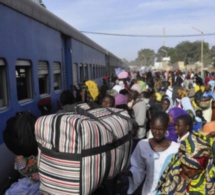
(112,92)
(158,96)
(118,88)
(212,84)
(186,104)
(196,153)
(136,87)
(182,92)
(122,75)
(170,103)
(142,84)
(174,113)
(120,100)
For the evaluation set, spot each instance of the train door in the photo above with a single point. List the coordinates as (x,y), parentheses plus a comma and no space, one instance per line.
(86,72)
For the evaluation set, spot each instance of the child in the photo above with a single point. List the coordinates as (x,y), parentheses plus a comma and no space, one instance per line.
(166,104)
(151,156)
(108,101)
(183,126)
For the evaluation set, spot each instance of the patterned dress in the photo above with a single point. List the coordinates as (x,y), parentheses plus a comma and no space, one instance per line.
(196,152)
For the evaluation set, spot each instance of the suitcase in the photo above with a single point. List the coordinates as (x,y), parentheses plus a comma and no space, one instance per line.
(77,152)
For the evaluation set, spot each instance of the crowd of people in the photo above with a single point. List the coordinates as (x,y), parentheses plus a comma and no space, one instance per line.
(173,148)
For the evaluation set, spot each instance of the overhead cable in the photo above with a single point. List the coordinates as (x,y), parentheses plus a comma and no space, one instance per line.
(148,36)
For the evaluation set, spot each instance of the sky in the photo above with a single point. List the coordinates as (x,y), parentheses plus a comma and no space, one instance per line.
(138,17)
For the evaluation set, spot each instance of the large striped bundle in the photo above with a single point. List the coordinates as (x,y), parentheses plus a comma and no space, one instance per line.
(76,153)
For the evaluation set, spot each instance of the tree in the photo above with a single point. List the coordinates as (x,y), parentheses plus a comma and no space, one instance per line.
(183,52)
(186,51)
(146,57)
(162,52)
(191,52)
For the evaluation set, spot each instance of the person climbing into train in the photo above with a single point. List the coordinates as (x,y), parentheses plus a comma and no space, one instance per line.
(105,86)
(67,102)
(89,91)
(20,139)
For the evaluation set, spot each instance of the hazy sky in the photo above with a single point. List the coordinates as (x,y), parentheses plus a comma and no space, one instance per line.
(142,17)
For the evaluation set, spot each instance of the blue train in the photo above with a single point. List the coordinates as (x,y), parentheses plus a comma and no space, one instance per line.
(40,56)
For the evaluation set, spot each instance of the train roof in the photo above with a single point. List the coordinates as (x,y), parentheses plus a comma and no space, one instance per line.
(39,13)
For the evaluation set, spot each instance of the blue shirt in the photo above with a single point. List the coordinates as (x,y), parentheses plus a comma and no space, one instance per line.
(210,93)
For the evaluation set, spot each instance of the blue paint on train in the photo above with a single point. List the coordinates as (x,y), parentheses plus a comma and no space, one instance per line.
(26,39)
(30,35)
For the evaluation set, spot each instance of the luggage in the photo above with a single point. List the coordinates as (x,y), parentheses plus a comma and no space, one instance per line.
(77,153)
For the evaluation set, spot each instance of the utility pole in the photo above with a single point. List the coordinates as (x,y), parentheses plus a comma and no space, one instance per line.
(202,53)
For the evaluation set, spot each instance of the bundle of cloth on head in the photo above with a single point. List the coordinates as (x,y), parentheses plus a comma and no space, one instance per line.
(123,75)
(137,87)
(196,153)
(121,83)
(117,88)
(142,84)
(112,92)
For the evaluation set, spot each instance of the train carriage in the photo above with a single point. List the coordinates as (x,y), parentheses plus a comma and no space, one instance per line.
(40,56)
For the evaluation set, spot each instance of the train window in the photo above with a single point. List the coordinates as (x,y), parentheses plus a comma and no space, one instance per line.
(94,71)
(100,71)
(86,72)
(43,76)
(57,76)
(103,70)
(3,85)
(75,73)
(81,68)
(97,71)
(23,79)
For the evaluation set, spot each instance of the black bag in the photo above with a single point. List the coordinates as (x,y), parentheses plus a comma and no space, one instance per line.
(198,95)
